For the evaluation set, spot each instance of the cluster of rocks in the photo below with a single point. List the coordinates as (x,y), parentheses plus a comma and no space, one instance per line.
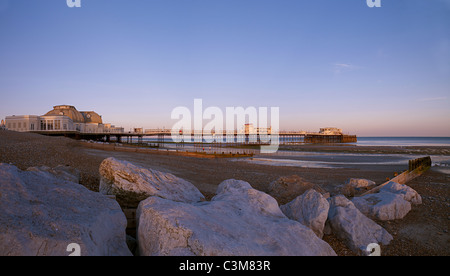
(45,210)
(352,221)
(240,220)
(174,219)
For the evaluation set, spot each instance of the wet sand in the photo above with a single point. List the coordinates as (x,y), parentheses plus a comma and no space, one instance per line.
(424,231)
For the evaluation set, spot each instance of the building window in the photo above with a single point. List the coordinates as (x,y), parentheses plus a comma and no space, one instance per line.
(9,125)
(31,126)
(43,125)
(19,125)
(25,126)
(14,126)
(57,124)
(65,126)
(50,125)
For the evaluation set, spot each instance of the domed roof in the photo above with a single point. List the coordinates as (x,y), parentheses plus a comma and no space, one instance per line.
(91,117)
(67,110)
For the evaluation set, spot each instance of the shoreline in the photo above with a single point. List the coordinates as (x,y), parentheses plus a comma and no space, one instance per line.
(421,232)
(252,149)
(425,150)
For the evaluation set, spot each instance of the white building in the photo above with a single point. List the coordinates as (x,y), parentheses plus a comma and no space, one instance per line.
(63,118)
(330,131)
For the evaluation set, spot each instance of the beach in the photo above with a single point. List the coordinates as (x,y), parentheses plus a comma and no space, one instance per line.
(424,231)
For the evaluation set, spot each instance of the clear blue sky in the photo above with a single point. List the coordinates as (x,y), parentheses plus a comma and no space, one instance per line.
(371,71)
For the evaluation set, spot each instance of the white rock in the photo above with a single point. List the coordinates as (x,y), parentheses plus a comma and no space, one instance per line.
(131,183)
(238,221)
(408,193)
(393,201)
(383,206)
(354,228)
(42,215)
(310,209)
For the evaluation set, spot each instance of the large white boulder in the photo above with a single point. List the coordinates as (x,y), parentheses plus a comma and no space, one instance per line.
(408,193)
(131,183)
(354,228)
(44,215)
(238,221)
(392,201)
(383,206)
(310,209)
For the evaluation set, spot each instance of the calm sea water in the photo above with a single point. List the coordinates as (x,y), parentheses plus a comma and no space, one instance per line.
(403,141)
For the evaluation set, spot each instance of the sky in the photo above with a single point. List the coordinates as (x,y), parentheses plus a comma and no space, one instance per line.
(325,63)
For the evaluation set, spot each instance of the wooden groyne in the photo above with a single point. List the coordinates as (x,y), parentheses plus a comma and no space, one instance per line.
(162,151)
(420,163)
(416,168)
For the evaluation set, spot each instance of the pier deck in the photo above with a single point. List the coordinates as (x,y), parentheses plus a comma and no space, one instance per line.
(284,137)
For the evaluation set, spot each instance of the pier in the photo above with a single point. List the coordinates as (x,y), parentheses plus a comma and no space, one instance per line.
(197,137)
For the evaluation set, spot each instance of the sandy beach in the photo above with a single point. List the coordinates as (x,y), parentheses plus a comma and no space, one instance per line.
(424,231)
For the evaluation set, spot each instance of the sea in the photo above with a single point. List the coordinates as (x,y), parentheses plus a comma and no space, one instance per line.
(404,141)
